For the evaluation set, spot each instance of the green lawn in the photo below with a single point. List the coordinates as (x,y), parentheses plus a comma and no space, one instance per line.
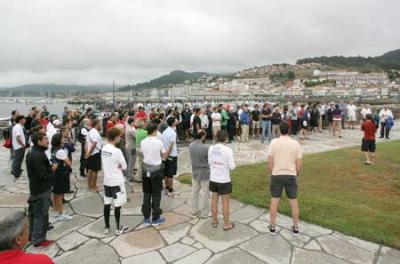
(337,191)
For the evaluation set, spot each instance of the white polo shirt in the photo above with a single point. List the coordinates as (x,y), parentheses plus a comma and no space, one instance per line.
(94,136)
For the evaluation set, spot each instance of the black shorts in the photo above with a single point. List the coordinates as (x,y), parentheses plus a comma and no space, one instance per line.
(368,145)
(221,188)
(61,182)
(289,182)
(171,166)
(94,162)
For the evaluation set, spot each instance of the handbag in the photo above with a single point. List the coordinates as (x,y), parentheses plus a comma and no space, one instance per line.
(7,143)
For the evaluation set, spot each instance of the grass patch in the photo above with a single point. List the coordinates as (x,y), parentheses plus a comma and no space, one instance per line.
(337,191)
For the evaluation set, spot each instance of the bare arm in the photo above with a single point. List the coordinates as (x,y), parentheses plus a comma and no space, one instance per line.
(270,163)
(166,154)
(299,166)
(20,141)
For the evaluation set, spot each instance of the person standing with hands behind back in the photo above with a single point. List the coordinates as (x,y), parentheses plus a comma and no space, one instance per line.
(220,158)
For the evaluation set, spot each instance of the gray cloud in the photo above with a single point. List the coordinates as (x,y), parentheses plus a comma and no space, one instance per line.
(91,41)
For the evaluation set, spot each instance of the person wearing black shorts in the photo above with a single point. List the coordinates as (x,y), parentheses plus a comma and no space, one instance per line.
(284,161)
(220,158)
(368,141)
(93,155)
(171,163)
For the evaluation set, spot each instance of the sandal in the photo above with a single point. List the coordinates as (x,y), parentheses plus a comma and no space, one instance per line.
(229,228)
(214,225)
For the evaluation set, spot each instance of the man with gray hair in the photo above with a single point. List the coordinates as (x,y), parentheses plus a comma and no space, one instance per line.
(14,235)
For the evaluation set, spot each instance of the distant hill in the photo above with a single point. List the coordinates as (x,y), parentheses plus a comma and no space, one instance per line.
(49,89)
(386,62)
(174,77)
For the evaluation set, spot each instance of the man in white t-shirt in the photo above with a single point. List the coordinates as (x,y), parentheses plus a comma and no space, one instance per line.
(284,162)
(113,163)
(130,141)
(154,152)
(366,110)
(18,145)
(216,122)
(221,161)
(92,155)
(351,115)
(385,117)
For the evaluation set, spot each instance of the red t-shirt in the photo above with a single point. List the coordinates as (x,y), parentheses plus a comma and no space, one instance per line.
(110,124)
(17,256)
(141,116)
(369,129)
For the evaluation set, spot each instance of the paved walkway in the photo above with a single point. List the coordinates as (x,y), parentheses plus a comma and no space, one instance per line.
(184,239)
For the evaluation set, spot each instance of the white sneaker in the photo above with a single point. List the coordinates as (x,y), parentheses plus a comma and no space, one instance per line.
(65,217)
(106,231)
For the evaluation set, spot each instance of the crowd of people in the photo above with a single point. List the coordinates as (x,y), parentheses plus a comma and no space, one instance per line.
(141,147)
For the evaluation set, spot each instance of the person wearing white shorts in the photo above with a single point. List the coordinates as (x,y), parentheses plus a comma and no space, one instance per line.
(351,115)
(113,163)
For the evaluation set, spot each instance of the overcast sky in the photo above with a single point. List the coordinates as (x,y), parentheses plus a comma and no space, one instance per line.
(98,41)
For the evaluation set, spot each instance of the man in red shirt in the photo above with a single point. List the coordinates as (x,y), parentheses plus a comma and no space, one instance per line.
(14,235)
(141,115)
(368,141)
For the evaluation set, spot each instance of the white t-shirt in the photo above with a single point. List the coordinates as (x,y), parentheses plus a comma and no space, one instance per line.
(18,130)
(216,119)
(351,110)
(113,163)
(384,114)
(221,161)
(62,154)
(169,136)
(93,136)
(365,112)
(152,149)
(50,133)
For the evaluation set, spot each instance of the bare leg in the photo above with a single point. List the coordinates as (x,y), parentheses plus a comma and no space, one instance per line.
(273,210)
(367,157)
(295,211)
(214,207)
(372,157)
(225,210)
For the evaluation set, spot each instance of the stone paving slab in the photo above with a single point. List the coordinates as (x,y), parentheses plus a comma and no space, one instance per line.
(306,257)
(345,250)
(197,257)
(138,242)
(92,252)
(234,256)
(176,251)
(271,249)
(152,257)
(218,240)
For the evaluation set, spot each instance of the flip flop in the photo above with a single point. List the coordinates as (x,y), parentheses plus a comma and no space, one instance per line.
(214,225)
(229,228)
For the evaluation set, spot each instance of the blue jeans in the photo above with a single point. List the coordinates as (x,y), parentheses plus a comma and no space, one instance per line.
(266,130)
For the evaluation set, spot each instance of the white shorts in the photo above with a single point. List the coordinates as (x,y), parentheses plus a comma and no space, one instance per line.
(118,198)
(351,118)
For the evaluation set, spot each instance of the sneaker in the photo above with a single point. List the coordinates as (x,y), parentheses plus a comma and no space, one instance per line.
(194,212)
(173,193)
(67,217)
(50,227)
(147,222)
(159,221)
(295,230)
(106,231)
(272,230)
(44,243)
(123,230)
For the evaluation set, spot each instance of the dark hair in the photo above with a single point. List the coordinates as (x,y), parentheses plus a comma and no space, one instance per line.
(222,136)
(368,117)
(284,128)
(13,112)
(95,121)
(19,118)
(113,133)
(36,137)
(201,133)
(56,142)
(197,110)
(171,120)
(66,121)
(131,120)
(156,121)
(151,127)
(37,128)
